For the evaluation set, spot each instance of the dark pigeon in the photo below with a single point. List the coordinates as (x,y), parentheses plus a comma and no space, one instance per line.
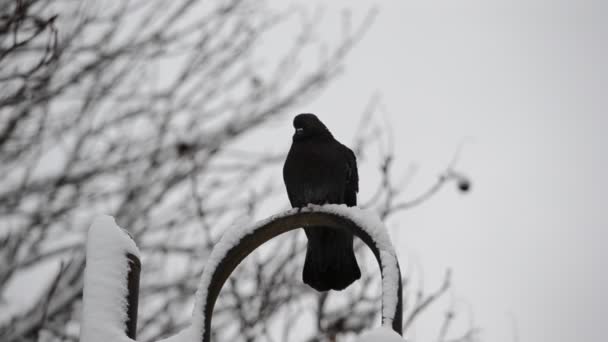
(320,170)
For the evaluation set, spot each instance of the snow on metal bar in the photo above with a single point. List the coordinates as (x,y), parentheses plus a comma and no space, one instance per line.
(110,255)
(238,242)
(106,293)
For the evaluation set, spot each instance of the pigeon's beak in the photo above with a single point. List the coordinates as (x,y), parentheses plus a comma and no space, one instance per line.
(299,131)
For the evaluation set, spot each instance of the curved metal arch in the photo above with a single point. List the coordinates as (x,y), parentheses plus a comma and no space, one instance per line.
(277,226)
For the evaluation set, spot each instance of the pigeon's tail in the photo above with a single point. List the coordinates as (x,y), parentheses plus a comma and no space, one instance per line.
(330,259)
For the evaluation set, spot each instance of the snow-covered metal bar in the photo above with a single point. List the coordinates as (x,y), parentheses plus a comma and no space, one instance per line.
(111,284)
(112,272)
(239,242)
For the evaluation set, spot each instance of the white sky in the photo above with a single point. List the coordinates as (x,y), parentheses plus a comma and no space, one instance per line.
(527,80)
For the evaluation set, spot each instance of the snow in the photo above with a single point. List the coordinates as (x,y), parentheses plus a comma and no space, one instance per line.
(381,334)
(105,282)
(104,309)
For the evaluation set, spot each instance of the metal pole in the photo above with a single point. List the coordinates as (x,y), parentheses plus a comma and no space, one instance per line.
(132,295)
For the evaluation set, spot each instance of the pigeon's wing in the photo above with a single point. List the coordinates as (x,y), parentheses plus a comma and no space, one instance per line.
(352,178)
(290,184)
(291,196)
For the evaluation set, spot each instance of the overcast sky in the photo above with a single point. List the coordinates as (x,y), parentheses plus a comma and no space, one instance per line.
(527,81)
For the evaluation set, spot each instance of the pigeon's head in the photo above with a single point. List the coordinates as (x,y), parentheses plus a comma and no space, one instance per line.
(309,126)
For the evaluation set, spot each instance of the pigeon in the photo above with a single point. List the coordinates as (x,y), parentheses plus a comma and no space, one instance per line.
(319,170)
